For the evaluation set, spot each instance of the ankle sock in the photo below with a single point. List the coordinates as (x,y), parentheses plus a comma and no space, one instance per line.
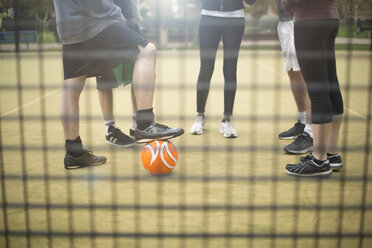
(225,118)
(308,129)
(144,118)
(319,162)
(74,147)
(302,117)
(133,126)
(109,123)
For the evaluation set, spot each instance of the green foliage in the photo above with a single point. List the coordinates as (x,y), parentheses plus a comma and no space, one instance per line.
(351,8)
(268,22)
(349,31)
(39,9)
(261,7)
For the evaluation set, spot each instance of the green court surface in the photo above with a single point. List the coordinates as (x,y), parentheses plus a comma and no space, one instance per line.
(222,193)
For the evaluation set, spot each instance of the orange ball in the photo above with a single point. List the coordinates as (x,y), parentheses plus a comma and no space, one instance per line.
(159,157)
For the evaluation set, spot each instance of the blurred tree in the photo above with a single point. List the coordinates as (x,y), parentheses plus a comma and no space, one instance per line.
(262,7)
(38,9)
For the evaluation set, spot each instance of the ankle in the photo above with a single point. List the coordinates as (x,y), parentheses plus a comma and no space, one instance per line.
(144,118)
(74,147)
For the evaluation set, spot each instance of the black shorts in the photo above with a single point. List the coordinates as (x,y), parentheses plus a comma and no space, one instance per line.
(114,45)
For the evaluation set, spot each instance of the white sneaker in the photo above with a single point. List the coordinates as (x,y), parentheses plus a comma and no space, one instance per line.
(198,126)
(227,130)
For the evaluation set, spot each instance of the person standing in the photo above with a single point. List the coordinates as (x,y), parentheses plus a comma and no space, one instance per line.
(301,132)
(107,81)
(220,19)
(315,30)
(95,40)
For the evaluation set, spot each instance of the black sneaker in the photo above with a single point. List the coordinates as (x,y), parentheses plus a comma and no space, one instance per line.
(293,132)
(87,159)
(335,161)
(308,168)
(117,138)
(303,144)
(157,132)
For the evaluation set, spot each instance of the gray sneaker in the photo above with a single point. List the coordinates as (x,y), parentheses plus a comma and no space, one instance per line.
(303,144)
(293,132)
(157,131)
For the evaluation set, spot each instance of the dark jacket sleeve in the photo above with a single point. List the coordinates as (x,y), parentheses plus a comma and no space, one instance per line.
(250,2)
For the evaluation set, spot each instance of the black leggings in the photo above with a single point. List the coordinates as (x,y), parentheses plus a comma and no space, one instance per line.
(211,30)
(315,48)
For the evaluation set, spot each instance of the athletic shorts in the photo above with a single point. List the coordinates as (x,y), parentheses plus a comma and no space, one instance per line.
(120,75)
(286,38)
(99,55)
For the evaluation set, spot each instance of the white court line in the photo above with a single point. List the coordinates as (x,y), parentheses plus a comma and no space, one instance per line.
(29,103)
(282,75)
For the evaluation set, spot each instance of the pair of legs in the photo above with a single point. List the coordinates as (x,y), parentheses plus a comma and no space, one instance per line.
(143,88)
(300,94)
(301,132)
(211,31)
(106,95)
(315,45)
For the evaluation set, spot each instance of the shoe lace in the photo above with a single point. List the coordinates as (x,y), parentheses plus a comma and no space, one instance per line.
(229,127)
(87,152)
(296,127)
(162,126)
(305,158)
(302,138)
(199,118)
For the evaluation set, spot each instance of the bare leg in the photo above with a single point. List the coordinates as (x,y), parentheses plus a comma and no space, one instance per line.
(69,106)
(106,101)
(300,94)
(334,133)
(133,97)
(321,133)
(144,77)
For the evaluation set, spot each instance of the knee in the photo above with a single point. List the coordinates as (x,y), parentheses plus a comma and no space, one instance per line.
(206,69)
(149,51)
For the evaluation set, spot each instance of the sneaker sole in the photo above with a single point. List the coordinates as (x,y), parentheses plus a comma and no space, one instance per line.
(309,149)
(228,136)
(147,140)
(320,174)
(335,166)
(113,144)
(197,133)
(289,138)
(72,167)
(232,136)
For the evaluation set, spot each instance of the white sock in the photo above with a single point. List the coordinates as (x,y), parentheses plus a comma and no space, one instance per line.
(133,126)
(302,117)
(309,130)
(109,123)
